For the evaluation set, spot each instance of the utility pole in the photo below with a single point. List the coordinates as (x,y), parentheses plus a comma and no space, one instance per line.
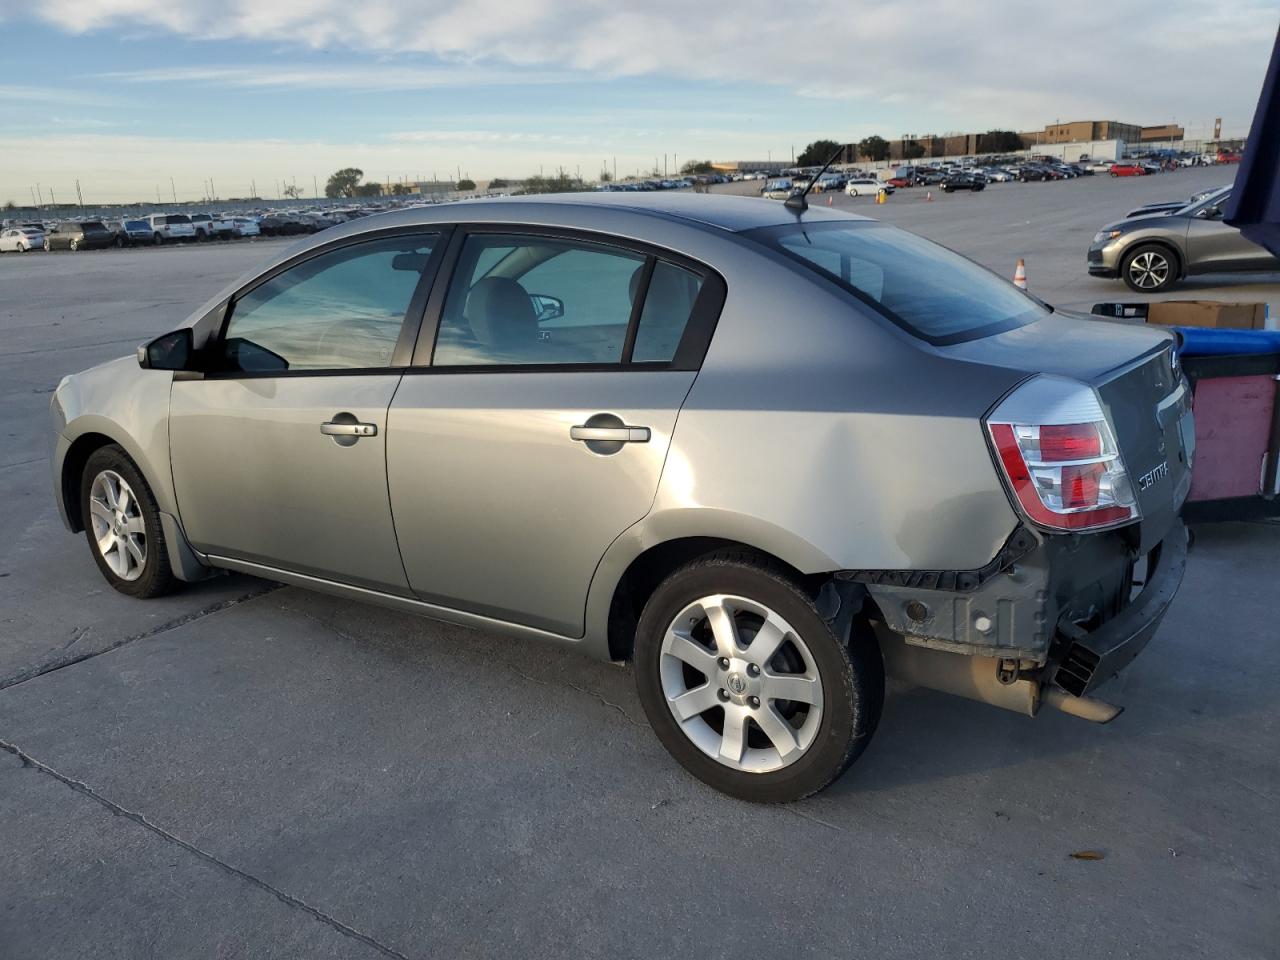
(53,201)
(315,186)
(79,195)
(253,187)
(34,205)
(39,194)
(212,189)
(173,190)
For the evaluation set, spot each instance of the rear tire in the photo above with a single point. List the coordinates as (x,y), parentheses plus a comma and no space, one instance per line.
(122,525)
(738,733)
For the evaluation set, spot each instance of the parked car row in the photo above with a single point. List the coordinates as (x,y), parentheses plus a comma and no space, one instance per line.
(158,229)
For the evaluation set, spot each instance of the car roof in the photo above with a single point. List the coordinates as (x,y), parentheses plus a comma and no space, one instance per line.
(734,214)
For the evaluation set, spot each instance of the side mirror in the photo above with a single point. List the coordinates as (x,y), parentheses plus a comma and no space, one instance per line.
(546,307)
(169,351)
(1210,213)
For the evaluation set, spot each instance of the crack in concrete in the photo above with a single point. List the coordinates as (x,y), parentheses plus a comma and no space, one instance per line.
(58,663)
(584,690)
(79,786)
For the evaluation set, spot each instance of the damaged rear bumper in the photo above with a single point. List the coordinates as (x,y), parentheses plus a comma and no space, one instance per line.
(1057,613)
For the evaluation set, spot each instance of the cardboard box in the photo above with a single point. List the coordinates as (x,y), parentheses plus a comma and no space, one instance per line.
(1207,313)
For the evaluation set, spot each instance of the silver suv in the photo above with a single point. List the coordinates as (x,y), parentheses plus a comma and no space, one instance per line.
(764,454)
(1152,250)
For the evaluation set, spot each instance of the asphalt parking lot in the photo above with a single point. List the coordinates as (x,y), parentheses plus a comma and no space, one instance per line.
(241,770)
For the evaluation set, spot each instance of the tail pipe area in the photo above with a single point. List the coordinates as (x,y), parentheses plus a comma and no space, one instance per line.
(979,678)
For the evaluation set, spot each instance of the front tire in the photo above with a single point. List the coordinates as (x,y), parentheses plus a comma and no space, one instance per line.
(748,686)
(1149,268)
(122,525)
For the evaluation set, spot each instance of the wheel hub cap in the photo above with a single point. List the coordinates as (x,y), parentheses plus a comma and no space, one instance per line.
(115,517)
(733,691)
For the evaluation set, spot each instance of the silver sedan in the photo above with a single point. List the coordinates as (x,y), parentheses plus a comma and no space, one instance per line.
(763,453)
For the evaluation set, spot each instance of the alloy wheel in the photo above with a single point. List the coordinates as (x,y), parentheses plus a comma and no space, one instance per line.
(741,683)
(118,527)
(1148,270)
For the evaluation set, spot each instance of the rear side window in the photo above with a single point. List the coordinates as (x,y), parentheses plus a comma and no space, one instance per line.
(668,304)
(339,310)
(931,292)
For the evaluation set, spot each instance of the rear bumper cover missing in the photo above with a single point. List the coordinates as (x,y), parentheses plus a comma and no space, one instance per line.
(1093,657)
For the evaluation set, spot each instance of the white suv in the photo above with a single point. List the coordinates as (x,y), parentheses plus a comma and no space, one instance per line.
(168,227)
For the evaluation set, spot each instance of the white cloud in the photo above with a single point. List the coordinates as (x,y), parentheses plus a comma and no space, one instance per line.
(29,96)
(969,64)
(363,79)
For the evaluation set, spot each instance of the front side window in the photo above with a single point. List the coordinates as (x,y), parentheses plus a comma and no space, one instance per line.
(340,310)
(537,300)
(923,287)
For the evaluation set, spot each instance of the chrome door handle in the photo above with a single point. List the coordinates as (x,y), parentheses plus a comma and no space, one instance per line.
(610,434)
(332,429)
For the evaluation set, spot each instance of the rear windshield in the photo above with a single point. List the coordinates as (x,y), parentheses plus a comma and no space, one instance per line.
(136,225)
(177,218)
(926,289)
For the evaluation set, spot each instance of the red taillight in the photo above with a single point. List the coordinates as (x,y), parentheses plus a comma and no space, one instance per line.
(1069,441)
(1060,456)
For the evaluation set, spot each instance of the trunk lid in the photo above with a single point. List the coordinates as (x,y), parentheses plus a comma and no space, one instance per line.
(1148,403)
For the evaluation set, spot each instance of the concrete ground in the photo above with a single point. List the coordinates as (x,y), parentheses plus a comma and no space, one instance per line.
(239,770)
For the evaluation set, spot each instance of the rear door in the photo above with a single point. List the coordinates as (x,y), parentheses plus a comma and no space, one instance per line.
(535,429)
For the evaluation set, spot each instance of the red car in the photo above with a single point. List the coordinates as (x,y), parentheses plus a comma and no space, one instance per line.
(1226,156)
(898,182)
(1127,170)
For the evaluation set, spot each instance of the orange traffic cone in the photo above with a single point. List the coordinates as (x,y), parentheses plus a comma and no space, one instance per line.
(929,196)
(1020,274)
(830,200)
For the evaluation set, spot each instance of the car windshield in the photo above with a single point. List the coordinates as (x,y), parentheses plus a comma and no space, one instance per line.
(924,288)
(136,225)
(1211,198)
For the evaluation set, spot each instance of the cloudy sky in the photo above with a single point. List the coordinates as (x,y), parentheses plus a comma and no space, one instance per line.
(125,94)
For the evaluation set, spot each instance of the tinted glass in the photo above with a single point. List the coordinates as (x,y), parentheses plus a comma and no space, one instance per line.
(537,300)
(925,288)
(340,310)
(667,307)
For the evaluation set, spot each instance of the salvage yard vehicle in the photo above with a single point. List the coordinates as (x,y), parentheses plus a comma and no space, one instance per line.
(77,235)
(764,452)
(866,187)
(171,227)
(1153,251)
(128,233)
(21,240)
(1127,170)
(963,181)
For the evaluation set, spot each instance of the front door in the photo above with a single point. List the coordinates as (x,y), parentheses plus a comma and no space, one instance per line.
(540,429)
(279,452)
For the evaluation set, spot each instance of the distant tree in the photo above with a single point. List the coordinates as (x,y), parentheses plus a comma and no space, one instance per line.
(874,148)
(465,184)
(696,166)
(560,183)
(499,184)
(401,189)
(817,153)
(367,190)
(999,141)
(10,205)
(912,151)
(293,191)
(605,175)
(343,183)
